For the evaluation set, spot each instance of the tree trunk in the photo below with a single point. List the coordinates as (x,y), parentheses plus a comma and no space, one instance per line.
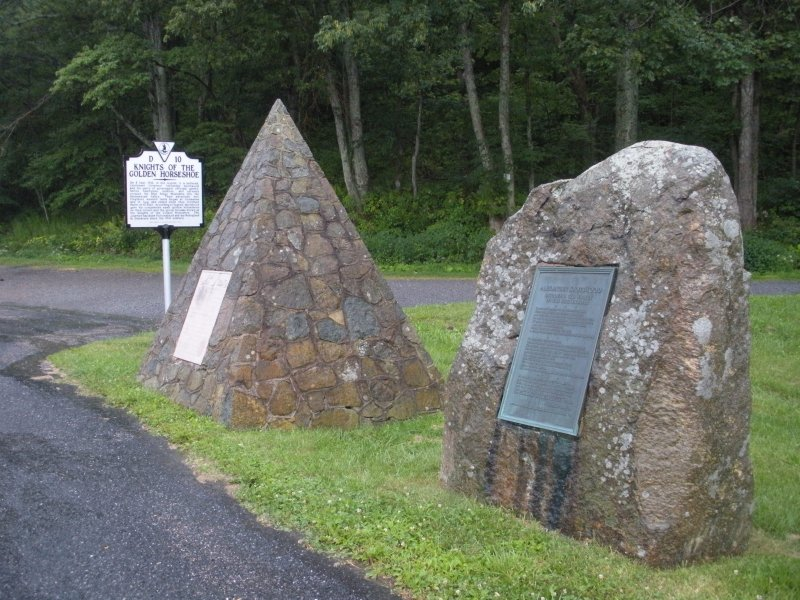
(160,97)
(529,125)
(415,156)
(358,154)
(472,101)
(341,137)
(503,109)
(42,204)
(747,189)
(795,143)
(205,92)
(627,104)
(733,140)
(577,82)
(132,128)
(529,139)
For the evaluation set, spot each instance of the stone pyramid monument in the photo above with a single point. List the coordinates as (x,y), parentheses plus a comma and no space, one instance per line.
(283,319)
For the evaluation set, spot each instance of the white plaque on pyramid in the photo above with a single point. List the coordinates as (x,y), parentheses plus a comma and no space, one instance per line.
(202,316)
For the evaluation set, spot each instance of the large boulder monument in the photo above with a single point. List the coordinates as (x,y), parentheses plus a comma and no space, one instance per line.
(283,319)
(655,463)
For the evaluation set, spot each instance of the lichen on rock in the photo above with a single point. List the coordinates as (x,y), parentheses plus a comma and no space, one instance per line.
(658,469)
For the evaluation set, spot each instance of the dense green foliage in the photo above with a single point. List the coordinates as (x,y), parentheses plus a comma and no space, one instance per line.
(373,495)
(774,246)
(451,240)
(32,237)
(398,228)
(85,83)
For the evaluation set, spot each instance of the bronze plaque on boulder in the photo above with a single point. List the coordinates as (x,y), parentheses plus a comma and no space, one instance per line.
(546,385)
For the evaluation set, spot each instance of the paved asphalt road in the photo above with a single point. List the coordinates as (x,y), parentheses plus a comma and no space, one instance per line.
(92,506)
(141,295)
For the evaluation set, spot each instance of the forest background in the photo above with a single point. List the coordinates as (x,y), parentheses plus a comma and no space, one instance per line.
(433,119)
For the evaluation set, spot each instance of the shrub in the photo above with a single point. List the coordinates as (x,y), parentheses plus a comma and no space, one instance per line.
(762,254)
(389,246)
(780,196)
(454,236)
(457,238)
(451,240)
(785,230)
(106,237)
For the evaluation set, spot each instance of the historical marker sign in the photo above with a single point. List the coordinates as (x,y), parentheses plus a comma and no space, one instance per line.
(164,188)
(546,385)
(202,316)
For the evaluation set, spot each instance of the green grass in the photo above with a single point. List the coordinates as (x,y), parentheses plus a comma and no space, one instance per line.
(372,495)
(95,261)
(441,327)
(179,267)
(777,276)
(437,270)
(61,260)
(775,375)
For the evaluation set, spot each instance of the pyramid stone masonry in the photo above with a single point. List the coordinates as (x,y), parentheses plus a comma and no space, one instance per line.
(308,332)
(660,468)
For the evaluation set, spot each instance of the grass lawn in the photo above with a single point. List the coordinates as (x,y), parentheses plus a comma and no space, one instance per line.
(372,494)
(179,267)
(97,261)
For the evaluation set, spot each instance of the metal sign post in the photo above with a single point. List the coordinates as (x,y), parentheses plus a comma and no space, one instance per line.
(165,231)
(164,190)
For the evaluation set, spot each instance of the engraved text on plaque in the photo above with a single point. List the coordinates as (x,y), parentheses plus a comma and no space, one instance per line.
(547,381)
